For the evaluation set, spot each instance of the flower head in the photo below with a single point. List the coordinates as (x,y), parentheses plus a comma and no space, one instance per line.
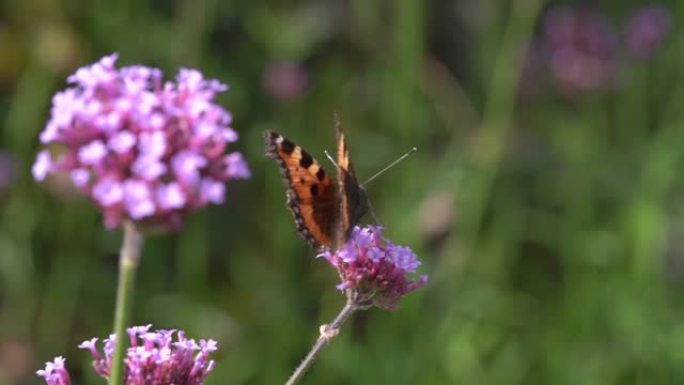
(373,270)
(285,81)
(157,358)
(581,49)
(141,148)
(646,29)
(55,372)
(161,357)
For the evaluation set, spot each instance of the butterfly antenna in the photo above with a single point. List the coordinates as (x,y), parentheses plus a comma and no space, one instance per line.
(377,174)
(330,158)
(372,213)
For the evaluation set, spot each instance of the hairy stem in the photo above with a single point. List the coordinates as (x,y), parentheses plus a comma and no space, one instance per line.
(327,334)
(129,258)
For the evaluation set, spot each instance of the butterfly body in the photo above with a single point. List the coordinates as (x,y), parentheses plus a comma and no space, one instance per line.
(324,210)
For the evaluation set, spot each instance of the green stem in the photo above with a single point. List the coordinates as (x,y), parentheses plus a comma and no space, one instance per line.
(498,110)
(128,265)
(327,333)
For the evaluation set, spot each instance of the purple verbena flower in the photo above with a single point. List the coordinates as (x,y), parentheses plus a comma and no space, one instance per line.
(285,81)
(141,148)
(154,358)
(646,29)
(55,372)
(375,271)
(580,48)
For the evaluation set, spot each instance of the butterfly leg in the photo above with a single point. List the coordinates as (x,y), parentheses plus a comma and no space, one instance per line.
(372,213)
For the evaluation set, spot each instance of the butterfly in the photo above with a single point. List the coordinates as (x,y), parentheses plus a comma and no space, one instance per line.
(325,210)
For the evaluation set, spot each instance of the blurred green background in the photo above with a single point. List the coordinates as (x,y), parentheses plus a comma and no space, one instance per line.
(545,199)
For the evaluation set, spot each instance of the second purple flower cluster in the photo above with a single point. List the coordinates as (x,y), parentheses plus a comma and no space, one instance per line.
(154,358)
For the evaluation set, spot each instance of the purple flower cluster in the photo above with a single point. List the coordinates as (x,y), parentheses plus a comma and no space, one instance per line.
(580,48)
(374,270)
(141,148)
(285,81)
(646,29)
(55,372)
(153,358)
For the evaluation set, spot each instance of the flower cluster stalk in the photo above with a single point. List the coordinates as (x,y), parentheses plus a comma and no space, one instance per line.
(128,265)
(327,334)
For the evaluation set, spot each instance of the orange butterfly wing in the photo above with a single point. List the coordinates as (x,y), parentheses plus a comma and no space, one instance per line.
(311,196)
(353,200)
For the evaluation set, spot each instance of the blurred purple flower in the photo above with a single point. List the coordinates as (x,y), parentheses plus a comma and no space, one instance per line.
(154,358)
(285,81)
(580,47)
(646,29)
(373,270)
(530,71)
(139,147)
(55,372)
(8,169)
